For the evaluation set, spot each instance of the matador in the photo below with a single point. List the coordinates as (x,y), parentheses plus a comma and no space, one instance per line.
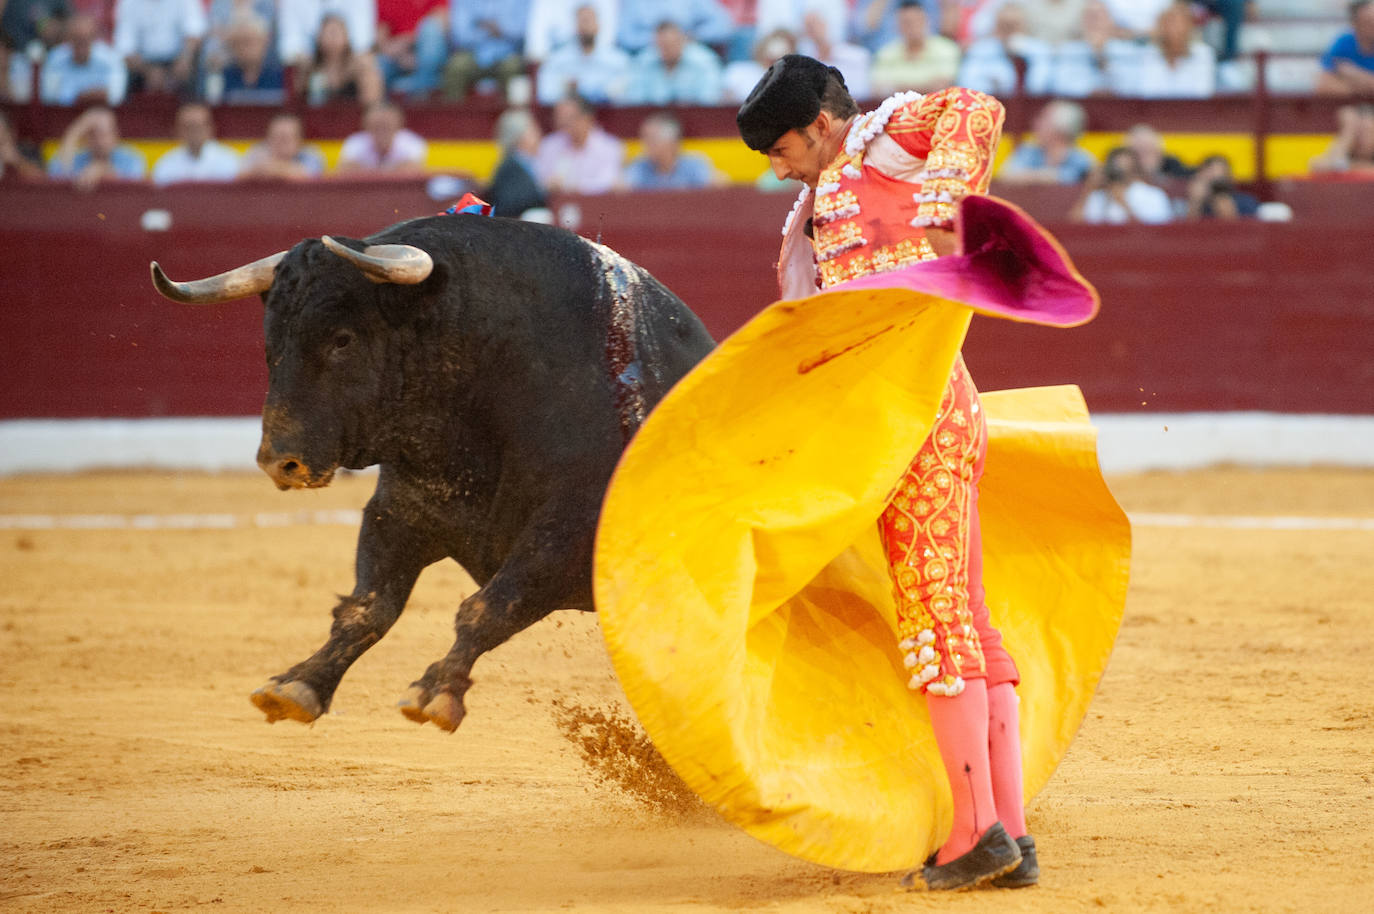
(880,193)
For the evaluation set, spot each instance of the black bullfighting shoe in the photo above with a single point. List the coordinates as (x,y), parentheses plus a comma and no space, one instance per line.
(1027,872)
(994,854)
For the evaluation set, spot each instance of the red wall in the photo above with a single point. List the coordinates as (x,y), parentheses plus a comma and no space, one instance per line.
(1195,317)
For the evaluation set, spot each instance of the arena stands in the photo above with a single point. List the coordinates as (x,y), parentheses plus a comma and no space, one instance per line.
(78,157)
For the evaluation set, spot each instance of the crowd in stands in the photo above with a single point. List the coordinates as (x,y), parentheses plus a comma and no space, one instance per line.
(383,54)
(645,52)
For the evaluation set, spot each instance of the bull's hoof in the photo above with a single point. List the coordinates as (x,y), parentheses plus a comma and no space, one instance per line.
(412,704)
(288,701)
(443,710)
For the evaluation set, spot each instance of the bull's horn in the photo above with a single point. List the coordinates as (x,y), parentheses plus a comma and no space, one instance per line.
(399,263)
(249,279)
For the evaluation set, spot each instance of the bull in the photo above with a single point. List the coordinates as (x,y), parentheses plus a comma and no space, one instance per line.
(493,370)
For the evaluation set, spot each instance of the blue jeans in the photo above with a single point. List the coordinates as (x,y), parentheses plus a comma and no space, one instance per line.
(431,50)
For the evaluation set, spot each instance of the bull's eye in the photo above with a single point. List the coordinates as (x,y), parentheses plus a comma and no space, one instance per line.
(342,340)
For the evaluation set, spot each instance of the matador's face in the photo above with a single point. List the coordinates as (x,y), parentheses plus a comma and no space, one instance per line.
(798,155)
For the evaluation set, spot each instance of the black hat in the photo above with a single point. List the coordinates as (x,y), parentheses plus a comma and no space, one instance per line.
(787,97)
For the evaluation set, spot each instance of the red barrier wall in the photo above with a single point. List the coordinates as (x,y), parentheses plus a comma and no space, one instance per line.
(151,116)
(1195,317)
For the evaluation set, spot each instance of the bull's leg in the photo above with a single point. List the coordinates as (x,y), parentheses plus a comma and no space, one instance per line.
(544,572)
(390,558)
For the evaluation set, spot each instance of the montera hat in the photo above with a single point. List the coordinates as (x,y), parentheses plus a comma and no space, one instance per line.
(787,97)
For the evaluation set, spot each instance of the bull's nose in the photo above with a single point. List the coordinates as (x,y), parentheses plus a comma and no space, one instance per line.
(288,472)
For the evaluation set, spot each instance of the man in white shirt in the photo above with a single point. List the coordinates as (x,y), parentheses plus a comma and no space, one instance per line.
(158,40)
(989,64)
(586,65)
(383,145)
(198,157)
(83,69)
(553,23)
(1119,195)
(1095,62)
(1176,64)
(579,157)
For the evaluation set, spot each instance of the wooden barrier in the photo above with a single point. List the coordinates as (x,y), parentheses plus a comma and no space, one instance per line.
(1195,317)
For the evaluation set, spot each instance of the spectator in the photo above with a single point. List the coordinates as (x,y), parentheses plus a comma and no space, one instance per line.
(966,21)
(487,38)
(1156,165)
(791,15)
(1095,63)
(578,157)
(1177,64)
(992,64)
(820,41)
(249,78)
(1055,21)
(514,189)
(1212,193)
(412,44)
(283,154)
(917,59)
(220,17)
(23,22)
(197,157)
(1348,66)
(17,159)
(740,76)
(554,23)
(663,165)
(1137,18)
(1053,156)
(26,24)
(90,152)
(874,22)
(159,40)
(744,19)
(704,20)
(300,22)
(587,65)
(1118,194)
(1352,149)
(83,69)
(1232,14)
(383,146)
(338,72)
(674,71)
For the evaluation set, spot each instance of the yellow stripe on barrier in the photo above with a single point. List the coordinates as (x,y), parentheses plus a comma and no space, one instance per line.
(1288,154)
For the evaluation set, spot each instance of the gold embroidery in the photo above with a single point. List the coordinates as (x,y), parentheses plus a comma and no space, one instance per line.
(927,545)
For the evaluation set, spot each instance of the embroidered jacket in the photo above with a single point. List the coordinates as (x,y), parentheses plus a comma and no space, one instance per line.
(903,167)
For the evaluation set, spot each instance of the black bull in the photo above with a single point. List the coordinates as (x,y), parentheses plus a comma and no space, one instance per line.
(494,371)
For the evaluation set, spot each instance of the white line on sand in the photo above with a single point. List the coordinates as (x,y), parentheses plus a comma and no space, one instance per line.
(177,521)
(350,518)
(1260,522)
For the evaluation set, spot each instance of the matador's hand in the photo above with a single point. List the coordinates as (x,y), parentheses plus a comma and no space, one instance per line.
(943,241)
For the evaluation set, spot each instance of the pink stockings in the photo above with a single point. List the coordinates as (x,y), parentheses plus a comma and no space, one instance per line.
(1004,752)
(980,744)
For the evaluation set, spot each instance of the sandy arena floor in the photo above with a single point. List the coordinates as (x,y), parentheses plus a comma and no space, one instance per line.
(1226,766)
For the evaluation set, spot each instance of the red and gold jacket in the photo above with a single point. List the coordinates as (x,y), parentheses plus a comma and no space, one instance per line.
(902,168)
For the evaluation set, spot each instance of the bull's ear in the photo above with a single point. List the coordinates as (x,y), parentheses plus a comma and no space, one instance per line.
(400,305)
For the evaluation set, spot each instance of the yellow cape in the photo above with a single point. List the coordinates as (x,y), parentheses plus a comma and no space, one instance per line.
(746,602)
